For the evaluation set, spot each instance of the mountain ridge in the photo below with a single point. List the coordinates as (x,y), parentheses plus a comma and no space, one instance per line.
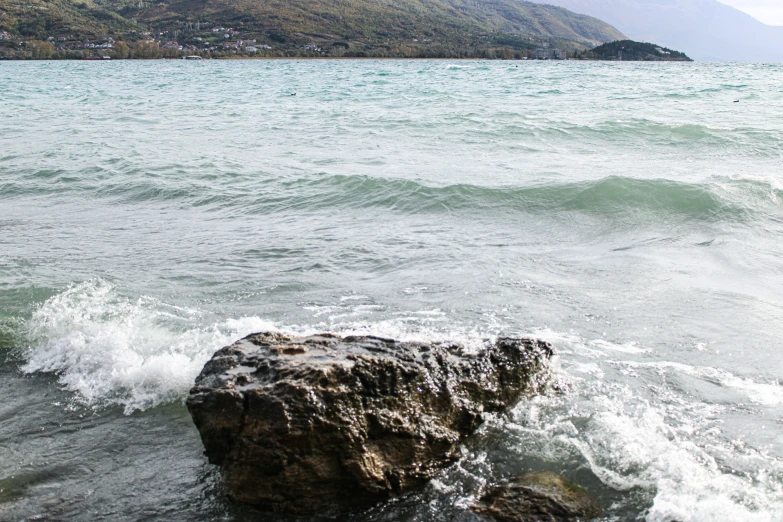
(707,30)
(447,28)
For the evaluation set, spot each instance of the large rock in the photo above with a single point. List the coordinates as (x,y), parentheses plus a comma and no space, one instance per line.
(537,497)
(301,424)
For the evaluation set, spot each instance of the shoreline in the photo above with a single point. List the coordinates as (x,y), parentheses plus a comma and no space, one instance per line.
(338,58)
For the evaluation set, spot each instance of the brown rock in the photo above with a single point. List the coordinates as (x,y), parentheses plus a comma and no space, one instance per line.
(537,497)
(300,424)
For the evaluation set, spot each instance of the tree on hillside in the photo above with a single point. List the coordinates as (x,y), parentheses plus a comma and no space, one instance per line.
(121,50)
(41,50)
(146,50)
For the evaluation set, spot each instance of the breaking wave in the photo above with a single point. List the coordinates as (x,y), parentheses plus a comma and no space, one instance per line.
(675,459)
(114,350)
(669,451)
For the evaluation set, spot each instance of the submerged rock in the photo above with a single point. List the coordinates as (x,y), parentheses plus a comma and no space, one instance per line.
(537,497)
(300,424)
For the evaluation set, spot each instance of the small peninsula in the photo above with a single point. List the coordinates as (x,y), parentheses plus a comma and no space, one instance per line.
(630,51)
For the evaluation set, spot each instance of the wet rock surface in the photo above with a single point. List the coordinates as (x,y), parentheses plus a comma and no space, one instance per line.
(305,424)
(537,497)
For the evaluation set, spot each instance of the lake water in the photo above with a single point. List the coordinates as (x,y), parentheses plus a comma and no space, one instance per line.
(631,214)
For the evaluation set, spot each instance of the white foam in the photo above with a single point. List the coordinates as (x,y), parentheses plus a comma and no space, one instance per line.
(630,347)
(765,394)
(137,353)
(670,445)
(354,298)
(321,310)
(424,328)
(629,445)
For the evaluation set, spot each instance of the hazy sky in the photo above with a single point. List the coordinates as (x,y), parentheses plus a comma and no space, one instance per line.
(768,11)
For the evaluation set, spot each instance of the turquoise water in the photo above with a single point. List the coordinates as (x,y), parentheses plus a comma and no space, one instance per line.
(152,212)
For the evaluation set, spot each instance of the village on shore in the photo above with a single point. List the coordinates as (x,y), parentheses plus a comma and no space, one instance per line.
(206,41)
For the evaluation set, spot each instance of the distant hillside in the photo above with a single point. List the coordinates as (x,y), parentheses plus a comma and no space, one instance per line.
(706,30)
(306,27)
(630,51)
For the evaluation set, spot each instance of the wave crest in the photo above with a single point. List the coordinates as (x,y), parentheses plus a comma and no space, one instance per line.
(113,350)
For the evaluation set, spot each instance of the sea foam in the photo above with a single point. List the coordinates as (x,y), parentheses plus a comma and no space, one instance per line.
(630,445)
(672,447)
(114,350)
(138,353)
